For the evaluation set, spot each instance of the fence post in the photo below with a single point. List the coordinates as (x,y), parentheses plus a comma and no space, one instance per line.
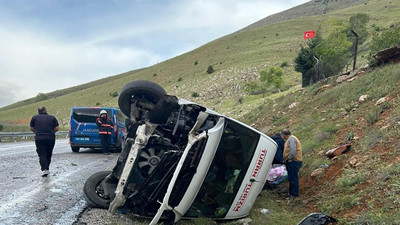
(355,49)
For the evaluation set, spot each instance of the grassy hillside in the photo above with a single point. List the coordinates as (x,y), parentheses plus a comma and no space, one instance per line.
(236,58)
(365,192)
(361,186)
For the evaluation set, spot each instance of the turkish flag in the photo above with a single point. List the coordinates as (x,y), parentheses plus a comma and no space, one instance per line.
(309,34)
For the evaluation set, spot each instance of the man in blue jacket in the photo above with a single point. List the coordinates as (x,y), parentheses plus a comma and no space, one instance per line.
(44,126)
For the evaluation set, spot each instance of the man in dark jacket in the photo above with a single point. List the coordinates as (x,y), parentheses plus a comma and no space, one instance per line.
(105,129)
(278,159)
(44,126)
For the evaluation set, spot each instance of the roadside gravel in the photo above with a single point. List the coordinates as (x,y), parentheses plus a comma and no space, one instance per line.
(93,216)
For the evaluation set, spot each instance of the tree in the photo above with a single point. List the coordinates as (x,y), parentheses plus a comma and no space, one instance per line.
(323,58)
(272,77)
(305,61)
(335,53)
(358,23)
(267,78)
(210,69)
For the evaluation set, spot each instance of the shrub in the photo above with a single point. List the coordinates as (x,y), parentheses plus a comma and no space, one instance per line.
(98,104)
(155,74)
(196,62)
(384,106)
(1,127)
(272,77)
(330,128)
(114,94)
(351,178)
(322,136)
(373,116)
(284,64)
(179,79)
(371,139)
(386,39)
(309,146)
(195,94)
(254,88)
(350,136)
(210,69)
(41,97)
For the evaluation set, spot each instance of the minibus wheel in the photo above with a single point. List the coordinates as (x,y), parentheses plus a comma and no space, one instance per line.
(94,191)
(143,92)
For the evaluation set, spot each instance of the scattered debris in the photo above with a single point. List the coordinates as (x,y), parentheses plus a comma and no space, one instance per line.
(318,172)
(264,211)
(362,98)
(317,219)
(358,160)
(338,151)
(325,87)
(244,221)
(343,112)
(324,165)
(346,76)
(294,104)
(380,101)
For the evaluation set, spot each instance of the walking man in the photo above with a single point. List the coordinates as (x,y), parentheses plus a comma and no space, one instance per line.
(293,156)
(44,126)
(105,129)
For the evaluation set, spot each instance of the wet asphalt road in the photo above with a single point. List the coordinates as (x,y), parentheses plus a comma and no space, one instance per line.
(28,198)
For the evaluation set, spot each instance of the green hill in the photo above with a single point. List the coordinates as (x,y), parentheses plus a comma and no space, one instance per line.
(236,58)
(359,187)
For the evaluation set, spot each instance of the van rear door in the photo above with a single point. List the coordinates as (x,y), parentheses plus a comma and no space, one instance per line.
(84,131)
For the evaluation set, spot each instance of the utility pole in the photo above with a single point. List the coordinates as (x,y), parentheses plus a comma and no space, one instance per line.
(355,49)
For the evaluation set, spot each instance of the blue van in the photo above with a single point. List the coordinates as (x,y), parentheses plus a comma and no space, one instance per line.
(84,133)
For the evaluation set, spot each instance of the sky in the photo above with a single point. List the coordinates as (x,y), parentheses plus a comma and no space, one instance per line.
(48,45)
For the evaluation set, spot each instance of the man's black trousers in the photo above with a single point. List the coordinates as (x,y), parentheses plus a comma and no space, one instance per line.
(105,140)
(44,149)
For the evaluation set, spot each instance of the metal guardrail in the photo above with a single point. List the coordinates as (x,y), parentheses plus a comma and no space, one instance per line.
(27,134)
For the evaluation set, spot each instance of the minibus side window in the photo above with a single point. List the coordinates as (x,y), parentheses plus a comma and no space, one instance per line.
(227,171)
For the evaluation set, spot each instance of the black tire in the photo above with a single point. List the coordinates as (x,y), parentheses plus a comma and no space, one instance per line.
(75,149)
(93,190)
(142,88)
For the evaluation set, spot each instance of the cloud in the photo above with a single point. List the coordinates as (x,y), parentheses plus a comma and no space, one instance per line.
(47,46)
(41,64)
(225,14)
(9,93)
